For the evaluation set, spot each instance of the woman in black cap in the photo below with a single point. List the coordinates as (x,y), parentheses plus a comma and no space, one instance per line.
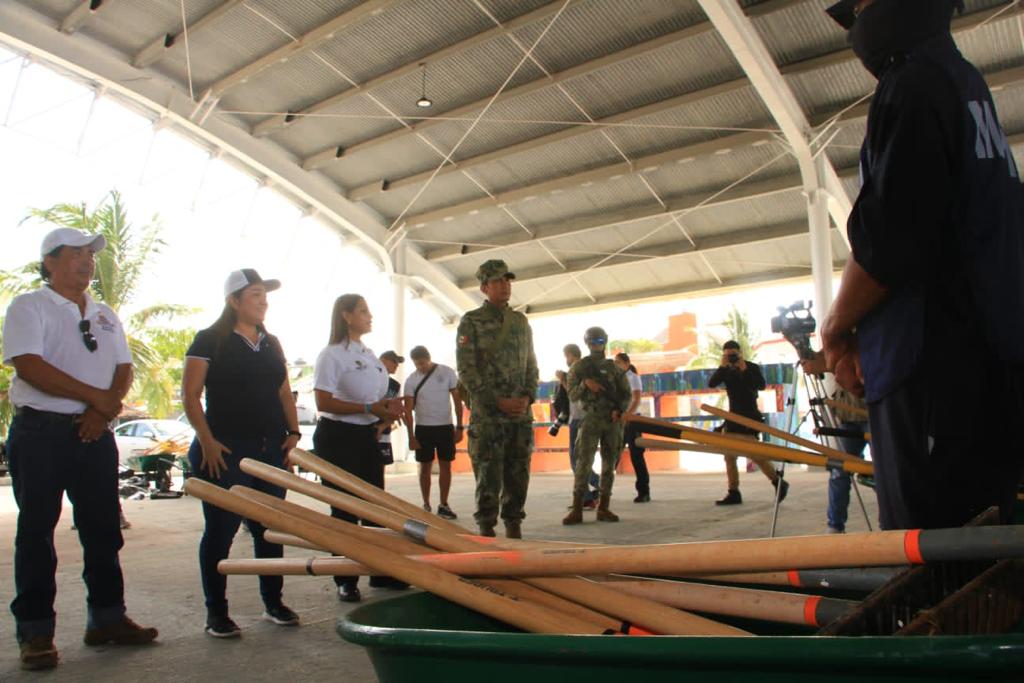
(250,413)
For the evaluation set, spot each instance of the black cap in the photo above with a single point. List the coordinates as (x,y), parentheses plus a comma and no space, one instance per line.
(843,12)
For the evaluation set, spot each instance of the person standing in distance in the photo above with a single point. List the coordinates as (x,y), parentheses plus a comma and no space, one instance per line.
(742,379)
(72,368)
(601,386)
(936,270)
(636,453)
(430,393)
(498,370)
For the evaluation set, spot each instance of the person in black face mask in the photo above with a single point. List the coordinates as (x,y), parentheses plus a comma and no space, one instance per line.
(937,270)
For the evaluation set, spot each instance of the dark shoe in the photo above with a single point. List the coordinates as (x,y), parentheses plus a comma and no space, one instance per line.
(575,515)
(124,632)
(282,615)
(222,627)
(38,653)
(782,491)
(445,512)
(388,582)
(604,514)
(349,593)
(487,531)
(731,498)
(513,530)
(642,498)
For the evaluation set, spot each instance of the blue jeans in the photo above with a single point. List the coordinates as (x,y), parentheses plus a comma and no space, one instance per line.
(595,480)
(221,525)
(47,460)
(839,481)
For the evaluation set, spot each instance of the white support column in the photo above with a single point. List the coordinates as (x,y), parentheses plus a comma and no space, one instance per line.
(821,243)
(399,439)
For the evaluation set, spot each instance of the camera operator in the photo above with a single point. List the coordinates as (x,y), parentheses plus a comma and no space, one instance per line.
(573,414)
(839,482)
(935,273)
(742,379)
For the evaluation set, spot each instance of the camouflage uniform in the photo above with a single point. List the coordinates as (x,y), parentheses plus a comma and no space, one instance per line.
(597,425)
(500,446)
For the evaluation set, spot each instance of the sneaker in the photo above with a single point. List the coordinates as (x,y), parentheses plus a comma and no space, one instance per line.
(588,504)
(426,506)
(783,489)
(38,653)
(282,615)
(833,530)
(733,497)
(349,593)
(124,632)
(642,498)
(222,627)
(445,512)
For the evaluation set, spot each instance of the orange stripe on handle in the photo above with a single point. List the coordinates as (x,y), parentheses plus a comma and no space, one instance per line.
(794,577)
(811,611)
(912,546)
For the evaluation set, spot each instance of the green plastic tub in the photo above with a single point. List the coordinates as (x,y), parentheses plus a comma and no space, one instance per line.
(421,637)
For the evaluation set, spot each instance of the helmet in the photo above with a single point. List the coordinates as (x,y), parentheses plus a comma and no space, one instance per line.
(595,336)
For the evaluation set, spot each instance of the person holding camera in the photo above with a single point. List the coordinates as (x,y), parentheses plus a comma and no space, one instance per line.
(742,379)
(601,387)
(936,273)
(430,394)
(571,412)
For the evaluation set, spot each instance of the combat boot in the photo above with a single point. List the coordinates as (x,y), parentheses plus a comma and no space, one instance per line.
(486,530)
(603,513)
(513,529)
(575,515)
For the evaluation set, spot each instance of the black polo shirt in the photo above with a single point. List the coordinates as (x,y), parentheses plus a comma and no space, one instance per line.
(243,384)
(940,223)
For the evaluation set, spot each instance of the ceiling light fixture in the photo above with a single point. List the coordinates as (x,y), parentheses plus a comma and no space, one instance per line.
(424,102)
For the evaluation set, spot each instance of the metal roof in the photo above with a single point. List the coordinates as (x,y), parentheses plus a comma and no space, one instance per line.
(627,156)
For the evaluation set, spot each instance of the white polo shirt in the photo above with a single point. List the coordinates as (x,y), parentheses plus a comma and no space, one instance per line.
(635,384)
(45,324)
(351,372)
(434,402)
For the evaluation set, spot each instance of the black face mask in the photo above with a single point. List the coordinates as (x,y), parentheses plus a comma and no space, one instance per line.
(888,28)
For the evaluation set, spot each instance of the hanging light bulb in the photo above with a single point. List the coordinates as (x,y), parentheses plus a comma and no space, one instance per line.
(424,102)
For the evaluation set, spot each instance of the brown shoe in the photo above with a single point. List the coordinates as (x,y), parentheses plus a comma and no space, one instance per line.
(38,653)
(124,632)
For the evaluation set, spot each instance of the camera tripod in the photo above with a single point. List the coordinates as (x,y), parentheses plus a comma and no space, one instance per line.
(825,422)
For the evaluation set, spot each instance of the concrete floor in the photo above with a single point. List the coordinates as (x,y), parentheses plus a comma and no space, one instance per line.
(163,588)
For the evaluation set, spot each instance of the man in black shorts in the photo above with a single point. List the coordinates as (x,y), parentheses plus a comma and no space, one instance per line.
(430,393)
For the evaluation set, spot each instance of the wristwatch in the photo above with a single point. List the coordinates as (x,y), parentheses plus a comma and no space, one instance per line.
(292,432)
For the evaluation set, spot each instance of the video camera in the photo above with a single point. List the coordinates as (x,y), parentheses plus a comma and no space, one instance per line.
(796,324)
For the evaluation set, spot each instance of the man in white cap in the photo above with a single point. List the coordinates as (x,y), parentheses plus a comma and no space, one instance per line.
(72,370)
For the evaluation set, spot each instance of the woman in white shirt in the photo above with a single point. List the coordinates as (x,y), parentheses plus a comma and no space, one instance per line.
(350,384)
(636,454)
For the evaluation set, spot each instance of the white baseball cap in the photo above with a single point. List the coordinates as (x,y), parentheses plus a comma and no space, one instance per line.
(69,237)
(240,279)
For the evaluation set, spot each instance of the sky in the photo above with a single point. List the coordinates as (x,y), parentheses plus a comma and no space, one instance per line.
(215,218)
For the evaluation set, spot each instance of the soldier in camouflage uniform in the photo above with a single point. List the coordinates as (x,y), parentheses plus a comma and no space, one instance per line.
(602,388)
(498,377)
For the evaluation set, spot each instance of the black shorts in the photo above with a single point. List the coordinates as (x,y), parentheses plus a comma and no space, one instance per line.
(440,438)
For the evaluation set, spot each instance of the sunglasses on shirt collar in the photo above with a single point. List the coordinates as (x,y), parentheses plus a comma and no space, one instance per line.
(87,337)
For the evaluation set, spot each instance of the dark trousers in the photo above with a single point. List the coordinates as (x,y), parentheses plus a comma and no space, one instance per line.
(930,472)
(47,460)
(595,480)
(636,456)
(221,525)
(354,449)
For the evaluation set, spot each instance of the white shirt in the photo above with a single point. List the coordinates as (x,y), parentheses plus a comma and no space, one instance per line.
(575,410)
(351,372)
(45,324)
(636,385)
(434,402)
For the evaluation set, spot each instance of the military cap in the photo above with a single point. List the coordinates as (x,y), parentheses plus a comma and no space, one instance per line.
(492,269)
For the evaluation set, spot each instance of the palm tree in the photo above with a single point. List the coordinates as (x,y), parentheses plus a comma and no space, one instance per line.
(120,268)
(737,325)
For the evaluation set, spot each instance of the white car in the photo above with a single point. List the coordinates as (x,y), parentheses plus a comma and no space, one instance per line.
(138,436)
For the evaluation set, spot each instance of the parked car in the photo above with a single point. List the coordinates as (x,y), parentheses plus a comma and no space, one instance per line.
(136,437)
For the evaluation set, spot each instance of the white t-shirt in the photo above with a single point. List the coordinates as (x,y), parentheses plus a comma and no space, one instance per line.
(635,384)
(45,324)
(434,402)
(351,372)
